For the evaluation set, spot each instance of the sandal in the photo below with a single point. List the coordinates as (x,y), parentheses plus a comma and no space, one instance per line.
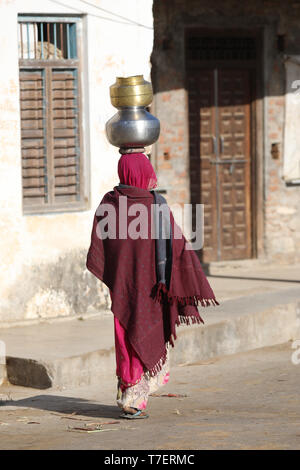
(138,415)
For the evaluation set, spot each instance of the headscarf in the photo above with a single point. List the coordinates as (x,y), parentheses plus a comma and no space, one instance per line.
(136,170)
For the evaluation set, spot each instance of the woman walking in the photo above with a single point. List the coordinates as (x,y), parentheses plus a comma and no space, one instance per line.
(155,282)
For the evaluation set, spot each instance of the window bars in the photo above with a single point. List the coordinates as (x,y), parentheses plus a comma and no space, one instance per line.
(219,48)
(49,40)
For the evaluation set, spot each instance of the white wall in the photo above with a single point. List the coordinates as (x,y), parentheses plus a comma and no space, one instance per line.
(111,48)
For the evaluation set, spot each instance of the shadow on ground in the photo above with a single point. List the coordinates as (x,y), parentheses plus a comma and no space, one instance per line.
(66,405)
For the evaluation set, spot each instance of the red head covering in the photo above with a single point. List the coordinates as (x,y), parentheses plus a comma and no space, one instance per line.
(135,169)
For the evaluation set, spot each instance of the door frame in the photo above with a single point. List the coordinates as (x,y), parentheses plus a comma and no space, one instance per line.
(256,118)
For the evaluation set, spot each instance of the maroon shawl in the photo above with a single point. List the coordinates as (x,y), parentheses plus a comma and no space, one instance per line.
(147,310)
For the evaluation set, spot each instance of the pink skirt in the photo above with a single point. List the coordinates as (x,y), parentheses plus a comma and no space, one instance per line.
(134,384)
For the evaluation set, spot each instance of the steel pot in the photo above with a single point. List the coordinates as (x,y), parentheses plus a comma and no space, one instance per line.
(132,125)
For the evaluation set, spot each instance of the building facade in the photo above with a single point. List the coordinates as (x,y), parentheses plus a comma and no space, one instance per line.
(226,79)
(58,59)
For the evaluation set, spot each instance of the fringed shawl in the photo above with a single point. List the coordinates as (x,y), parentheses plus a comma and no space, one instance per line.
(147,308)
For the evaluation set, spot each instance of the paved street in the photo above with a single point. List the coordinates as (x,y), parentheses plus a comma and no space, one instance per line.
(245,401)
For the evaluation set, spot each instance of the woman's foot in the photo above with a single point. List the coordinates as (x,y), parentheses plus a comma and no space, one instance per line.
(133,413)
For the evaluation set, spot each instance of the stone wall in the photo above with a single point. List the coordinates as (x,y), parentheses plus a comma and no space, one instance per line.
(279,207)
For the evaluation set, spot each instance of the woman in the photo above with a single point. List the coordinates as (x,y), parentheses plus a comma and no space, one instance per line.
(154,281)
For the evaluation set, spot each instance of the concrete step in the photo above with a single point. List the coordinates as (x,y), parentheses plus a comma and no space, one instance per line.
(60,353)
(73,353)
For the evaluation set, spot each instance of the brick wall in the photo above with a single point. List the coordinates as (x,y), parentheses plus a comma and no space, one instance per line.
(279,207)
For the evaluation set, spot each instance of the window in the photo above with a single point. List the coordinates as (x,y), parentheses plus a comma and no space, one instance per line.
(50,106)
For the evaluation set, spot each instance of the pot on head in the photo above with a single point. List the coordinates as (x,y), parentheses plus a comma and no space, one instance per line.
(132,125)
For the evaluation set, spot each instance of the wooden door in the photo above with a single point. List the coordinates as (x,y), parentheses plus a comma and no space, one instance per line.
(219,116)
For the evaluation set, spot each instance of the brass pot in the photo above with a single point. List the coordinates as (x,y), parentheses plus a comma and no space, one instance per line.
(131,91)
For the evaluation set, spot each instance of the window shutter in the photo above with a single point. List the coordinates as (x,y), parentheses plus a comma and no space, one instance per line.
(65,135)
(33,136)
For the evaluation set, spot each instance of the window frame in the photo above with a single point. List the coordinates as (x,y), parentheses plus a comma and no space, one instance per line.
(47,65)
